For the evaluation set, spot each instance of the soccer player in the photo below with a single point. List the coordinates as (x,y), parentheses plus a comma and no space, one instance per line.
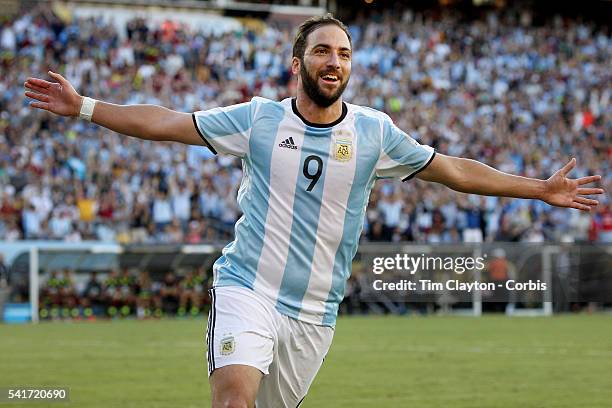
(309,165)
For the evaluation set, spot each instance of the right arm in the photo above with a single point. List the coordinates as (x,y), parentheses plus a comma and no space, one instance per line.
(149,122)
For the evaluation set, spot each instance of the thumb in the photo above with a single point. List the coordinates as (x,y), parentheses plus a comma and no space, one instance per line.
(568,167)
(58,77)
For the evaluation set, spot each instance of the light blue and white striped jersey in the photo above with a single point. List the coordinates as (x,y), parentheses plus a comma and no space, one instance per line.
(304,193)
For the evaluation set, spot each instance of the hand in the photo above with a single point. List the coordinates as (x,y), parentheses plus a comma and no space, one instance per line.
(564,192)
(56,97)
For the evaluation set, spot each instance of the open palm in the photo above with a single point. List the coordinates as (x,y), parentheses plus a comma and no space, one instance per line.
(565,192)
(57,97)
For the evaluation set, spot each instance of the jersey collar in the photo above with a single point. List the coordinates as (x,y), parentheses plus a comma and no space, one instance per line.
(318,125)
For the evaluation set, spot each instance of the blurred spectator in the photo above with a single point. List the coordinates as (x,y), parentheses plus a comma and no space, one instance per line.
(191,288)
(68,294)
(4,273)
(499,270)
(181,204)
(92,298)
(194,233)
(145,299)
(128,287)
(602,225)
(50,294)
(162,211)
(169,293)
(474,223)
(4,288)
(391,210)
(113,297)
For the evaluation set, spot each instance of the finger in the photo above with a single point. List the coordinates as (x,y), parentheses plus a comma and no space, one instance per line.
(581,207)
(37,96)
(40,105)
(589,191)
(39,82)
(586,201)
(587,180)
(58,77)
(36,88)
(568,167)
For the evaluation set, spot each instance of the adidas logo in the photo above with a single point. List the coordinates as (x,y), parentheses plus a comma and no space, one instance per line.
(288,143)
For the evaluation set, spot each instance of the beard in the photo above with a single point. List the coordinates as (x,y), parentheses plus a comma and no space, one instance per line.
(314,92)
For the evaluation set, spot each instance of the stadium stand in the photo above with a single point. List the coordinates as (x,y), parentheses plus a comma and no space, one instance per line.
(517,96)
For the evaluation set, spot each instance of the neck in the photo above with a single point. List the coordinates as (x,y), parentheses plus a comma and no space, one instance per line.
(315,113)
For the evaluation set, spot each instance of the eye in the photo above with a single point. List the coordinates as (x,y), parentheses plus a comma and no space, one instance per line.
(320,51)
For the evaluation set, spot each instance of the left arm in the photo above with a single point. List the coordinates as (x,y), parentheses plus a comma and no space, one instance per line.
(471,176)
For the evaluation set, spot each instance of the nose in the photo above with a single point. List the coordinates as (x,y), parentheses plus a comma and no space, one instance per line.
(334,60)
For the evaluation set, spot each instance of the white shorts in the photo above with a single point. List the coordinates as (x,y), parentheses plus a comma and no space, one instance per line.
(245,328)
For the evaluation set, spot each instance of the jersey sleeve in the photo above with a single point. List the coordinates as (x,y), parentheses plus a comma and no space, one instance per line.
(401,156)
(227,129)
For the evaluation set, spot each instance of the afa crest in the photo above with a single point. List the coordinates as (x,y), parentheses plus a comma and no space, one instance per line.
(228,345)
(343,150)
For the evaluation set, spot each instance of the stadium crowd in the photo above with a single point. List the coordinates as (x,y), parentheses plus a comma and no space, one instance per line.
(123,294)
(519,97)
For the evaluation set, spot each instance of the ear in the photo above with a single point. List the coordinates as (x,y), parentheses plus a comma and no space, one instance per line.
(295,65)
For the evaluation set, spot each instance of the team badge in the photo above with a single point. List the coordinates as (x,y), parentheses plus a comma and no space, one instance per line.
(343,150)
(228,345)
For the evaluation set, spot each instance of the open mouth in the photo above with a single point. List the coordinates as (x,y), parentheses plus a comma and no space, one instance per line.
(330,78)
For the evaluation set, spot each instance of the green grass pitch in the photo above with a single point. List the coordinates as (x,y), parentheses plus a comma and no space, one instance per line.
(562,361)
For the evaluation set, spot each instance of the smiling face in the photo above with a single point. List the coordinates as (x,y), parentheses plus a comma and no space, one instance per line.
(326,67)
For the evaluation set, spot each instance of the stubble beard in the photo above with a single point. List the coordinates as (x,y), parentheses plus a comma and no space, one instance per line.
(312,89)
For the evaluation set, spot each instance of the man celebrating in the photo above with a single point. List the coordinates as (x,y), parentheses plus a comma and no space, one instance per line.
(309,165)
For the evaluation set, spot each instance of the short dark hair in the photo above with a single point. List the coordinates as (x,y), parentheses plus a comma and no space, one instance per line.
(308,26)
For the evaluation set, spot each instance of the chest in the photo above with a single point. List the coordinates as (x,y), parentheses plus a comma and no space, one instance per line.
(310,157)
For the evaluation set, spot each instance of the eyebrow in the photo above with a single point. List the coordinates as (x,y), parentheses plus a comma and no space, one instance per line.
(329,48)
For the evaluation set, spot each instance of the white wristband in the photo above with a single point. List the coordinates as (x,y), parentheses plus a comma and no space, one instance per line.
(87,108)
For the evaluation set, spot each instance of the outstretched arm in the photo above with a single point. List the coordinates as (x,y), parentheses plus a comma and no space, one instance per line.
(148,122)
(470,176)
